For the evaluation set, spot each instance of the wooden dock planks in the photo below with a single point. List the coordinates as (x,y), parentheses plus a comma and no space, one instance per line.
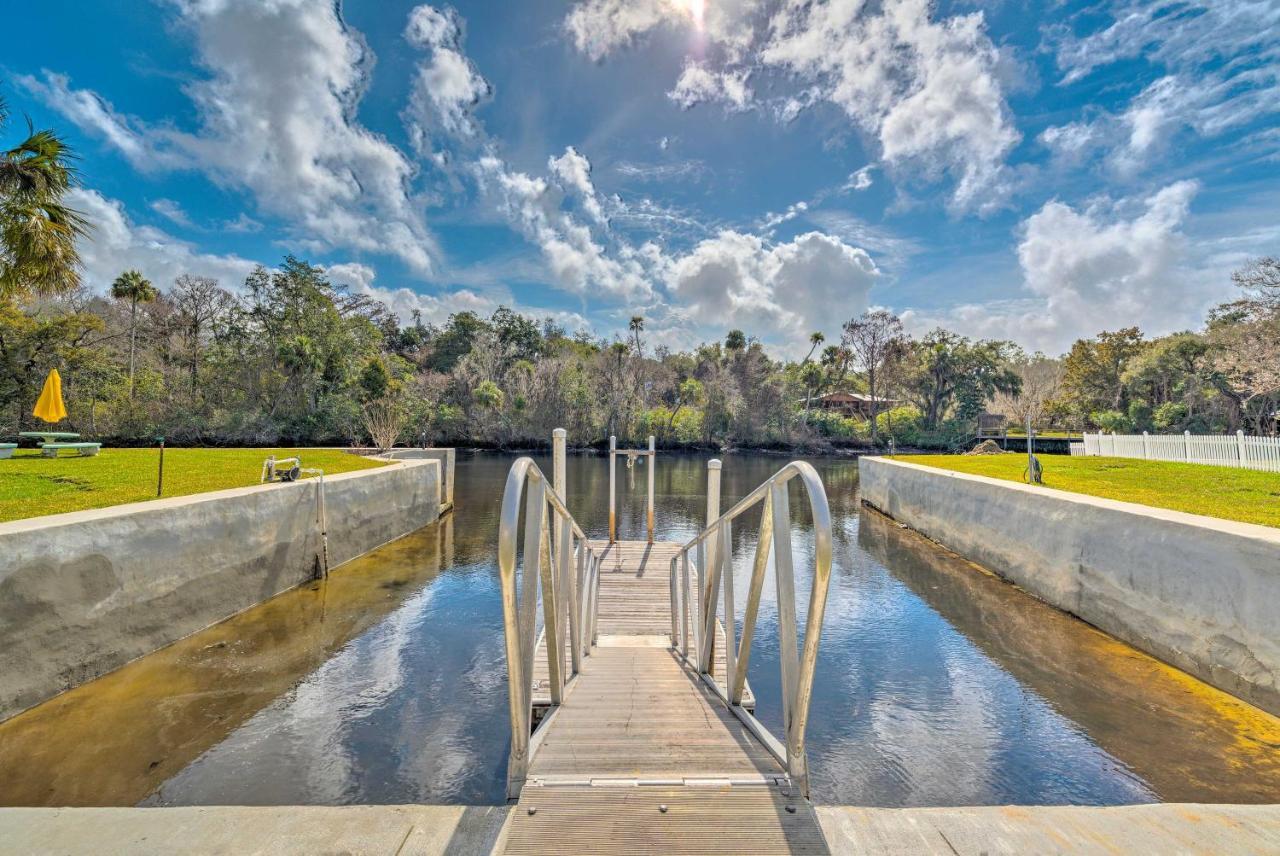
(714,819)
(640,730)
(635,602)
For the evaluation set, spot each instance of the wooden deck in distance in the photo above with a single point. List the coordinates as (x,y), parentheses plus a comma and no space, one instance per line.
(642,756)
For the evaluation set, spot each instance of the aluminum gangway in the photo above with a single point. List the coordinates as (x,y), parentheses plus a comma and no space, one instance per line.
(641,737)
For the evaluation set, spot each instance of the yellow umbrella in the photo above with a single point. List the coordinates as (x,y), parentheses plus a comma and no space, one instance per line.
(50,407)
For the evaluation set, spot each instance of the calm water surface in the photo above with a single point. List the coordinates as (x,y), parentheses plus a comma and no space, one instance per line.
(937,684)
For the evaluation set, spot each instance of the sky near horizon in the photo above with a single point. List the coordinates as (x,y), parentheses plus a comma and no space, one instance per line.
(1036,172)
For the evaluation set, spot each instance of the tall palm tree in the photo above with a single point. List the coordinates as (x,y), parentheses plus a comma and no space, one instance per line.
(636,326)
(37,232)
(135,288)
(815,339)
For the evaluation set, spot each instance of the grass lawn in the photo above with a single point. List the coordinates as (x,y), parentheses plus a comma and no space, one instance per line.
(32,485)
(1233,494)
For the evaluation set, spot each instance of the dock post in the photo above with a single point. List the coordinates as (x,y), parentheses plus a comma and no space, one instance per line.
(613,516)
(566,579)
(652,460)
(707,565)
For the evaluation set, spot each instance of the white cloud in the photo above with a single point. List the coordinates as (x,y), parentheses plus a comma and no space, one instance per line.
(598,27)
(927,90)
(276,118)
(92,113)
(574,172)
(436,308)
(116,244)
(577,261)
(1222,71)
(1181,36)
(698,83)
(173,212)
(859,180)
(814,282)
(1109,265)
(1209,104)
(447,87)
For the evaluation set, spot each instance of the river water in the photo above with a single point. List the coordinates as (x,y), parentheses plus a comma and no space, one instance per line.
(937,683)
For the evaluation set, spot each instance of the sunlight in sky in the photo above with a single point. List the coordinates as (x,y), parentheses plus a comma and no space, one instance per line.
(696,10)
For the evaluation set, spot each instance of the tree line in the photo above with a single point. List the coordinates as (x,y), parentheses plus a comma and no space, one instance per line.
(288,357)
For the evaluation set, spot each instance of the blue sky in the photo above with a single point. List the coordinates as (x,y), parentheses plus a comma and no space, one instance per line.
(775,166)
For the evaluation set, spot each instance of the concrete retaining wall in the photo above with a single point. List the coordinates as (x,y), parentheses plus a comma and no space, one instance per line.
(1200,593)
(446,457)
(86,592)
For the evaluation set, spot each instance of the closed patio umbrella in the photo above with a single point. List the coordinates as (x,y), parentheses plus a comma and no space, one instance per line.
(50,407)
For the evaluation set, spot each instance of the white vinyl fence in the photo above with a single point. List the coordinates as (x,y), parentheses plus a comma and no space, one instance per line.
(1230,450)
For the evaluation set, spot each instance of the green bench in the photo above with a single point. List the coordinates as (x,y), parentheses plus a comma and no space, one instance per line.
(87,450)
(6,450)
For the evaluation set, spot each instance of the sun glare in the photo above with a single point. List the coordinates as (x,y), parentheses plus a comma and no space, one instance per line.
(695,10)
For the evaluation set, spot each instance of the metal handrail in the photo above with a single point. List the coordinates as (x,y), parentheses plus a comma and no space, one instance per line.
(568,570)
(693,618)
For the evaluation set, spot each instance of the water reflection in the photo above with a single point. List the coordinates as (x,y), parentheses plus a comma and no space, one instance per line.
(936,684)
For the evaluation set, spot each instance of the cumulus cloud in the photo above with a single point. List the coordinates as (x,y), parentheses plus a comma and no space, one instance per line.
(698,83)
(435,308)
(1113,263)
(790,289)
(578,262)
(117,244)
(927,90)
(279,123)
(574,172)
(447,87)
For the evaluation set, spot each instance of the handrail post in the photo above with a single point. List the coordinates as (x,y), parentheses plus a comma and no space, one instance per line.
(652,460)
(764,543)
(784,574)
(567,584)
(613,515)
(708,569)
(730,643)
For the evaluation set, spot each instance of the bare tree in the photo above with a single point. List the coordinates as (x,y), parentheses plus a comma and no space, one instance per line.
(1260,278)
(200,302)
(384,419)
(871,338)
(1041,382)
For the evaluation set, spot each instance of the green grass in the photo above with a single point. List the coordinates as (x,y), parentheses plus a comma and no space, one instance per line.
(32,485)
(1225,492)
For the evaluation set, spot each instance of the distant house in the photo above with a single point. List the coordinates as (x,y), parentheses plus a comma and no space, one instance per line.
(853,404)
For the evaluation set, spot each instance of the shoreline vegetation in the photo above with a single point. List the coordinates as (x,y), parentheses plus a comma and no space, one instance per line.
(289,357)
(1227,493)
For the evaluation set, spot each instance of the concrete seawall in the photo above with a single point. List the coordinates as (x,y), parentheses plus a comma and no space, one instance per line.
(86,592)
(1200,593)
(446,457)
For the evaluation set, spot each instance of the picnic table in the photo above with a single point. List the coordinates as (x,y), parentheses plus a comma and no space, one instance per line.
(49,436)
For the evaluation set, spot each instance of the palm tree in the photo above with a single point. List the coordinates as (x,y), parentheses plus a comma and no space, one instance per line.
(735,341)
(636,326)
(135,288)
(815,339)
(37,232)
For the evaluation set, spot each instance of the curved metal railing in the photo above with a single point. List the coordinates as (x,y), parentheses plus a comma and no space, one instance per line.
(695,592)
(558,558)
